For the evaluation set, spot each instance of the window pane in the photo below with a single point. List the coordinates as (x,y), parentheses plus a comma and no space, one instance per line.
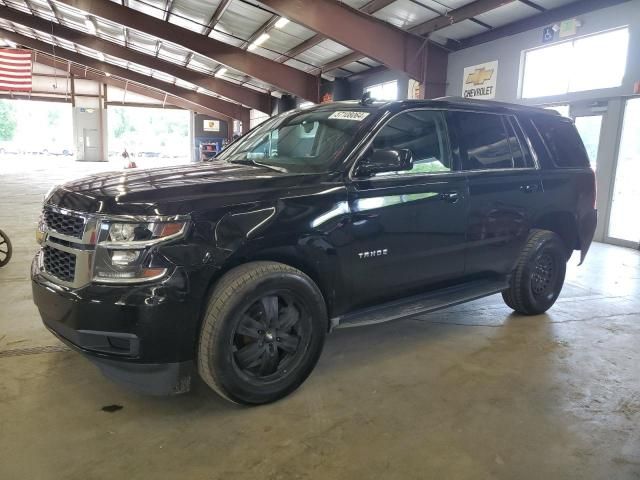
(424,133)
(485,139)
(625,221)
(589,130)
(569,66)
(256,117)
(608,52)
(562,140)
(519,152)
(384,91)
(547,70)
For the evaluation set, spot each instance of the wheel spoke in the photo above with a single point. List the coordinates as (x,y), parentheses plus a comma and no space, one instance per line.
(250,355)
(288,343)
(249,327)
(289,317)
(270,360)
(270,308)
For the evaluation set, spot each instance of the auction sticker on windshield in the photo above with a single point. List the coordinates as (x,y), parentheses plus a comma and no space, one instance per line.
(355,116)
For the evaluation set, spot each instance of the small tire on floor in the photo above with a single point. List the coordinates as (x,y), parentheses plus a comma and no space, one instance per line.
(6,250)
(539,274)
(242,301)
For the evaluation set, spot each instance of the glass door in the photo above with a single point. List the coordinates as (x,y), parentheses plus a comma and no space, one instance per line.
(589,128)
(624,221)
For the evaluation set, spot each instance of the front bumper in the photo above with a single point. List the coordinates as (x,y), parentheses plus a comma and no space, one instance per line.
(142,336)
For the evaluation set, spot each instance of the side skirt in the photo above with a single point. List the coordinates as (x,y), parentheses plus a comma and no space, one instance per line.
(421,304)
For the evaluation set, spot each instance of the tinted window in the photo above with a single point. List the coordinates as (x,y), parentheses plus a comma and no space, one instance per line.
(519,150)
(536,141)
(484,141)
(301,141)
(562,140)
(424,133)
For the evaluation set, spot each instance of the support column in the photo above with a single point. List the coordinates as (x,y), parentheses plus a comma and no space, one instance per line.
(434,84)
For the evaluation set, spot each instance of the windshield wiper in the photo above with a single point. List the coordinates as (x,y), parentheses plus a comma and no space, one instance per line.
(246,161)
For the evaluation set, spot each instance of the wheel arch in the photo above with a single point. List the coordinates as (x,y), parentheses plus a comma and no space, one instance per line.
(564,224)
(286,255)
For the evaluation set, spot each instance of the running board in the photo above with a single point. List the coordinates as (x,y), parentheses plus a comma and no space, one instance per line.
(421,304)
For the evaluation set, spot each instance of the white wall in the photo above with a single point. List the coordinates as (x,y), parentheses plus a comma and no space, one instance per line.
(508,52)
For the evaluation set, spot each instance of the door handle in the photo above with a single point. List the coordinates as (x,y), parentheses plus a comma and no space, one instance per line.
(529,188)
(450,197)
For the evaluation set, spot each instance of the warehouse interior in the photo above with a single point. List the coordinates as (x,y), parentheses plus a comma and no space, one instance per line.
(474,391)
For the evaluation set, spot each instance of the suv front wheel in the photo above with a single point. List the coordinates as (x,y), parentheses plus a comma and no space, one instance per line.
(538,277)
(262,333)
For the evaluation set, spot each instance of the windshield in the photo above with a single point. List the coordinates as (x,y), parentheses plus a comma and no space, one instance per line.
(303,142)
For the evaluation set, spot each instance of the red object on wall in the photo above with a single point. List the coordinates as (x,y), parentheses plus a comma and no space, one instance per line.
(636,87)
(15,70)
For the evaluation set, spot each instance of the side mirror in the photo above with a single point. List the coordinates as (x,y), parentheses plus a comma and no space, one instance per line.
(385,160)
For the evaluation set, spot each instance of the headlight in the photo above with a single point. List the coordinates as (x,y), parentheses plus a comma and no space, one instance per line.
(123,252)
(141,233)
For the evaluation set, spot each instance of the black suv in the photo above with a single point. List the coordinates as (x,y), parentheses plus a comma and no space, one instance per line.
(337,215)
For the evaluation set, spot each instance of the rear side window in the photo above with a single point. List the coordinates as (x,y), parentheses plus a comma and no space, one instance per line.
(484,140)
(562,141)
(519,148)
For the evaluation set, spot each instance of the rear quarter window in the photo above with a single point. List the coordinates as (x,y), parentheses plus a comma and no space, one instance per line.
(562,141)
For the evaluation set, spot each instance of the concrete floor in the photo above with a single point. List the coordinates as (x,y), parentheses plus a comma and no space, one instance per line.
(473,392)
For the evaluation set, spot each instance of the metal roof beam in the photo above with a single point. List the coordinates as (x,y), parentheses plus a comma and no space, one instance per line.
(363,33)
(245,96)
(284,77)
(454,16)
(369,8)
(466,12)
(217,15)
(167,9)
(197,100)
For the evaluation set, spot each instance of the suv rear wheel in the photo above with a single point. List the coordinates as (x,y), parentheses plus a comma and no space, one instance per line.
(538,277)
(262,333)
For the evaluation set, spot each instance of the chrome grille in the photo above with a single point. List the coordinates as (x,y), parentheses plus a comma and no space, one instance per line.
(63,223)
(60,264)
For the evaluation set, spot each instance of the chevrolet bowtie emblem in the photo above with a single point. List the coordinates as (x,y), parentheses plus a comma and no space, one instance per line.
(479,76)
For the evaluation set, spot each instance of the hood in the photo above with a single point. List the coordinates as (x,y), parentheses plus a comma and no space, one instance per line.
(175,190)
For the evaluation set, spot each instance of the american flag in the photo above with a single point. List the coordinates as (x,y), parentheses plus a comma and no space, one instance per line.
(15,70)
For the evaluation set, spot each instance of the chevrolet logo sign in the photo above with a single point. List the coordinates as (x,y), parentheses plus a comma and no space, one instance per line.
(479,76)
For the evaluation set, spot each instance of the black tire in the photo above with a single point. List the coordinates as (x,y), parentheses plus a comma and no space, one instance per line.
(538,277)
(254,349)
(5,249)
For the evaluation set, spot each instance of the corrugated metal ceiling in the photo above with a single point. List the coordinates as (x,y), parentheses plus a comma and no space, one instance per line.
(243,19)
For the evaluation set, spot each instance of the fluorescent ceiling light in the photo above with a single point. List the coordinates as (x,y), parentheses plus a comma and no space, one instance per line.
(107,74)
(220,72)
(281,22)
(259,41)
(90,26)
(101,56)
(10,43)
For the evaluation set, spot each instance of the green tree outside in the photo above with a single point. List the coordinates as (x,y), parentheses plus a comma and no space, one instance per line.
(8,121)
